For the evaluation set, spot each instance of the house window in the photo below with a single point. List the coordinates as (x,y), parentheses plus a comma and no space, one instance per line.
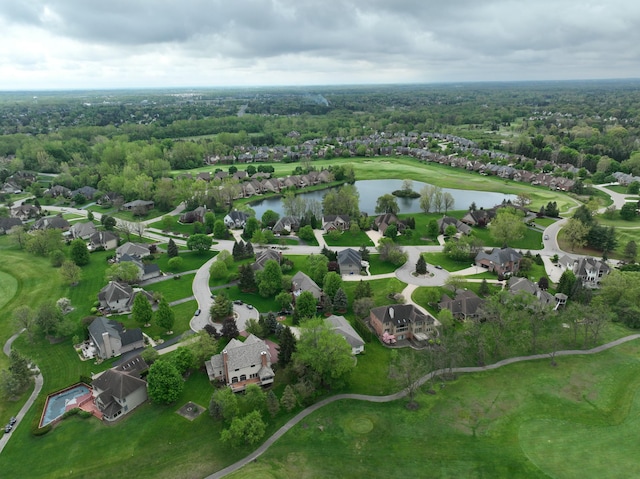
(400,329)
(234,379)
(243,377)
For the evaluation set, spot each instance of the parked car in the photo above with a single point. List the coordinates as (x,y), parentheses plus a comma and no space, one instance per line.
(12,421)
(546,237)
(8,428)
(237,301)
(438,266)
(197,313)
(249,306)
(284,313)
(213,296)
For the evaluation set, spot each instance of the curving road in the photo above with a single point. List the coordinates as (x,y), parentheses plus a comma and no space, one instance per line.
(400,394)
(39,381)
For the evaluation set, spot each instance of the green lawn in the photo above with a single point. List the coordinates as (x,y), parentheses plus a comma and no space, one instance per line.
(545,221)
(376,266)
(532,239)
(443,260)
(177,229)
(527,420)
(349,239)
(190,260)
(173,289)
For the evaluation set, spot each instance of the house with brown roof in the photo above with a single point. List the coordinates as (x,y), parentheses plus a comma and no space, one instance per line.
(464,305)
(501,260)
(264,256)
(241,364)
(382,222)
(301,282)
(335,223)
(51,222)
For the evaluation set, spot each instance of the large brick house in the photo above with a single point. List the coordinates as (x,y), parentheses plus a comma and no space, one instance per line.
(403,321)
(501,260)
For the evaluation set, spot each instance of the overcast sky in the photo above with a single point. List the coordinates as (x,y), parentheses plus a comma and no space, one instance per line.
(64,44)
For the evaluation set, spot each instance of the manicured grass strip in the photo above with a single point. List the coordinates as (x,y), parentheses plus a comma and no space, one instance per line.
(380,267)
(190,260)
(441,259)
(8,288)
(174,288)
(348,239)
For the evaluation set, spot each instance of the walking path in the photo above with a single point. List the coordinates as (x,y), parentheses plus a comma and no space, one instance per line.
(39,381)
(400,394)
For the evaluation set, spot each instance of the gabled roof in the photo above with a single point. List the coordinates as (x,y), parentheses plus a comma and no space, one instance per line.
(500,256)
(264,256)
(115,291)
(132,249)
(102,237)
(82,230)
(241,355)
(465,303)
(116,384)
(341,326)
(399,314)
(348,257)
(51,222)
(7,223)
(302,282)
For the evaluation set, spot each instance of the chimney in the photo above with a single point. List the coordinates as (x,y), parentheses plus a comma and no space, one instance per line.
(225,365)
(263,357)
(106,340)
(391,312)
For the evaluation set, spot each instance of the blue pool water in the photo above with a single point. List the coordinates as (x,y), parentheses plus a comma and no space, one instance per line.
(57,403)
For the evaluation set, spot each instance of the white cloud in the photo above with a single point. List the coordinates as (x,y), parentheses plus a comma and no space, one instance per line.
(120,43)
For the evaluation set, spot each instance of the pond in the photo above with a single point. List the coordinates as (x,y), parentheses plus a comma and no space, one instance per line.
(371,190)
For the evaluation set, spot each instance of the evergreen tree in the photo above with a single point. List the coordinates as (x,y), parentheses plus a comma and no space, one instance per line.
(484,288)
(327,304)
(230,328)
(288,344)
(340,301)
(363,290)
(271,323)
(567,280)
(172,249)
(238,250)
(421,265)
(222,307)
(248,248)
(246,278)
(364,253)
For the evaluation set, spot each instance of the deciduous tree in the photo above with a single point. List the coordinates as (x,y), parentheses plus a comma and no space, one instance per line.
(164,382)
(79,253)
(141,311)
(165,317)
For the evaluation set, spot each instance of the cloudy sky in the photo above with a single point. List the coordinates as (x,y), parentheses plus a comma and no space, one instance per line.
(64,44)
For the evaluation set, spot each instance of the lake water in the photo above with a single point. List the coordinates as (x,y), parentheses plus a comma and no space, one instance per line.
(371,190)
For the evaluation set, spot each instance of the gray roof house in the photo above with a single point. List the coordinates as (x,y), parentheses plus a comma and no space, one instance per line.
(236,219)
(286,223)
(103,239)
(132,249)
(139,206)
(51,222)
(349,261)
(335,222)
(7,223)
(82,230)
(465,304)
(590,271)
(264,256)
(301,282)
(241,364)
(116,296)
(461,227)
(120,390)
(111,339)
(147,270)
(341,326)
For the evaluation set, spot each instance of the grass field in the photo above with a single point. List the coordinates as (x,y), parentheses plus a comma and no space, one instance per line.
(441,259)
(173,289)
(349,239)
(527,420)
(376,266)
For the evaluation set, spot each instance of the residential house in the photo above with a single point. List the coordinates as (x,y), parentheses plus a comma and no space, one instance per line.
(335,223)
(286,224)
(301,282)
(11,187)
(147,270)
(402,321)
(349,261)
(87,191)
(194,215)
(527,286)
(503,261)
(133,250)
(382,222)
(116,297)
(264,256)
(590,271)
(51,222)
(111,339)
(446,221)
(464,305)
(241,364)
(139,207)
(82,230)
(103,239)
(58,191)
(341,326)
(25,212)
(7,223)
(236,219)
(111,198)
(120,390)
(479,217)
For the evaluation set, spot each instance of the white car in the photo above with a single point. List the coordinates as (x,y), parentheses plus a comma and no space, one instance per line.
(546,237)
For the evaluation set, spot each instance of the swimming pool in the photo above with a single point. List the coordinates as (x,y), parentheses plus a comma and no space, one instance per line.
(58,403)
